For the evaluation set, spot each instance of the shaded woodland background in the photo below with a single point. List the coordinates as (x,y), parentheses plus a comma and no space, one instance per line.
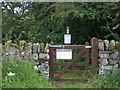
(46,22)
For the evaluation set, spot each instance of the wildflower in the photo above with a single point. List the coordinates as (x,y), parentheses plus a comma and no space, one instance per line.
(10,74)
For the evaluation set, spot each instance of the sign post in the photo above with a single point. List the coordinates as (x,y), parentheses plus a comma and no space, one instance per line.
(65,53)
(67,37)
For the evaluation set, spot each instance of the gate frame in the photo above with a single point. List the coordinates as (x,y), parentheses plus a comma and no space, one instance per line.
(75,57)
(94,59)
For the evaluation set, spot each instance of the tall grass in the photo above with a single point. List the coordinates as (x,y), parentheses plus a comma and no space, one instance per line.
(26,77)
(109,80)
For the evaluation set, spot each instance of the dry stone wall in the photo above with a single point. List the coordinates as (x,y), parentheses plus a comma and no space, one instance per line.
(27,51)
(24,51)
(109,56)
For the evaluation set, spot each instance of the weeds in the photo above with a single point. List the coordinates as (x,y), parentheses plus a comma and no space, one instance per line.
(109,80)
(26,77)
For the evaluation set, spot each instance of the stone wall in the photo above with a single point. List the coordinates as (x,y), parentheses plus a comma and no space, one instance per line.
(109,56)
(25,51)
(36,52)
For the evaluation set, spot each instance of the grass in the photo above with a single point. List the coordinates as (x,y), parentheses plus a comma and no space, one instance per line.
(26,77)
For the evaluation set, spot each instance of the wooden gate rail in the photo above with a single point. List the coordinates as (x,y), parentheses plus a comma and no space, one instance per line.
(68,66)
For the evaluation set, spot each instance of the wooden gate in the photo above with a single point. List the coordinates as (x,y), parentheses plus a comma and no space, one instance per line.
(70,66)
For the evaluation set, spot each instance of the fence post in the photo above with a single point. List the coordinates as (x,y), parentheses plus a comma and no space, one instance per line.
(94,55)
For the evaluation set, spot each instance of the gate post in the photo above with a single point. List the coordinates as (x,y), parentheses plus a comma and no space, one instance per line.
(87,58)
(94,55)
(51,61)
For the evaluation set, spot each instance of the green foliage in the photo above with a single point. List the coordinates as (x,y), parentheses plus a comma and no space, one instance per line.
(109,80)
(42,22)
(25,76)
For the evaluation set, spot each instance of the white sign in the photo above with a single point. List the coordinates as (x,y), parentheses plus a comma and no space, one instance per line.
(88,47)
(67,38)
(64,54)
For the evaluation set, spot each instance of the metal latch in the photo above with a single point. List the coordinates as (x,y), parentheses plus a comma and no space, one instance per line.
(55,46)
(88,47)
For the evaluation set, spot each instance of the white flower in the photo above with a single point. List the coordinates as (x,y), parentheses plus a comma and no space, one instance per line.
(10,74)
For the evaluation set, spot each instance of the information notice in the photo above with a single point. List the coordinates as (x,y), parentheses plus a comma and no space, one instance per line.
(64,54)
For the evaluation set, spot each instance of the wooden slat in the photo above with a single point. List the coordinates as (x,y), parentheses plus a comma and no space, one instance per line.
(68,47)
(74,55)
(72,61)
(64,64)
(74,47)
(75,71)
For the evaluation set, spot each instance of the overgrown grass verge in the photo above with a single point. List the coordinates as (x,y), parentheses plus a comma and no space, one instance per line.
(109,80)
(26,77)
